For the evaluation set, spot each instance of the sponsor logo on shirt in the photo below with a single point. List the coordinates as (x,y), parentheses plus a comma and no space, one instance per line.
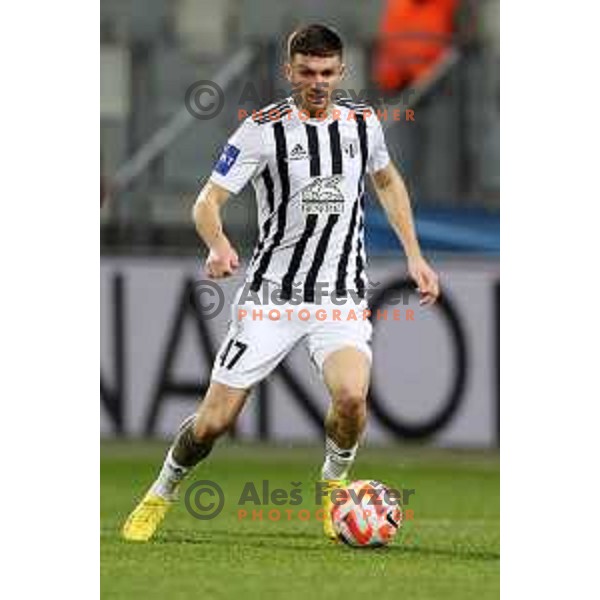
(323,196)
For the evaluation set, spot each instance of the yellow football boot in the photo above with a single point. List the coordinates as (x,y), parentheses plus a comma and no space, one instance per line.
(328,528)
(145,518)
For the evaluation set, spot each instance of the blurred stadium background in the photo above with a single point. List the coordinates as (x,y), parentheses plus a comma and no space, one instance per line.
(435,380)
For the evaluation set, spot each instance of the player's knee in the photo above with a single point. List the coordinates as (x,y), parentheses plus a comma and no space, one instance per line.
(210,429)
(217,412)
(211,425)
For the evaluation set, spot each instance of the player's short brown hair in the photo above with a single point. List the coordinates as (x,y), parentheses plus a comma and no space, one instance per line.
(315,40)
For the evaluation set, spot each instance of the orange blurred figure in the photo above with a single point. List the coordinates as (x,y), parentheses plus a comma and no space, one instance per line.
(413,36)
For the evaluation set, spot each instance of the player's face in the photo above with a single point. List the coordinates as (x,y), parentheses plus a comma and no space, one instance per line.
(313,79)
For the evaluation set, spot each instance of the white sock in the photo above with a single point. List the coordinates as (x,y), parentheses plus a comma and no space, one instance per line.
(169,478)
(337,460)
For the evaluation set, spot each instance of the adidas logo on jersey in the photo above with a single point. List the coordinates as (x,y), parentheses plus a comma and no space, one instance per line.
(298,153)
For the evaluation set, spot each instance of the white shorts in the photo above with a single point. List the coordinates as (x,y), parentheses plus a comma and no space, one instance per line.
(260,337)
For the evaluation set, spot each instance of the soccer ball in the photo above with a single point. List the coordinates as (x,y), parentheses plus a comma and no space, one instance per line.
(364,515)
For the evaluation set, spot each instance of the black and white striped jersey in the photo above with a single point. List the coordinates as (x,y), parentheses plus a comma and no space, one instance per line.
(308,175)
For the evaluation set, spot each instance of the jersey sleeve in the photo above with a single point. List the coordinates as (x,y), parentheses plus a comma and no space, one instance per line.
(240,159)
(378,153)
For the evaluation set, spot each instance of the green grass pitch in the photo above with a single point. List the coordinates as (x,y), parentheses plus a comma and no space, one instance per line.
(451,549)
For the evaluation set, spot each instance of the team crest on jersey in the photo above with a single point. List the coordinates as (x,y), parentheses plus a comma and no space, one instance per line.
(323,195)
(298,153)
(350,147)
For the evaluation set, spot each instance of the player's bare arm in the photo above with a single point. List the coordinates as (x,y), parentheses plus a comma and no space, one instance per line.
(222,259)
(394,198)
